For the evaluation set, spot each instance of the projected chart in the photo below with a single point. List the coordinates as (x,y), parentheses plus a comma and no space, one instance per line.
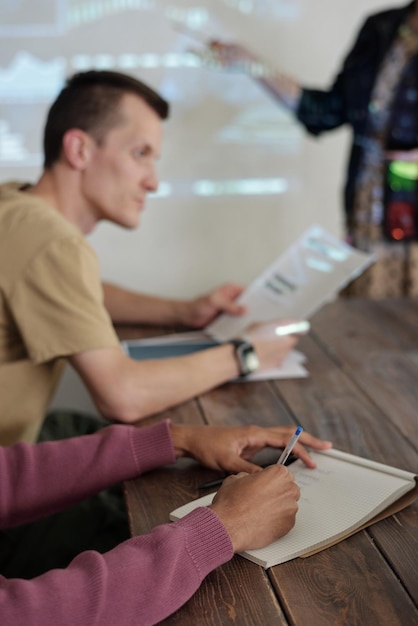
(45,41)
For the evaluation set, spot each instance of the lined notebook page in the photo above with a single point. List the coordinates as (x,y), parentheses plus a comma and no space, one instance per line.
(336,497)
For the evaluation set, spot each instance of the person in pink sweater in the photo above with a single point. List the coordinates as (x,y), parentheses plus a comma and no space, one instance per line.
(146,578)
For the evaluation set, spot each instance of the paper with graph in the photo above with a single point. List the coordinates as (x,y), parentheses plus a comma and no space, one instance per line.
(297,284)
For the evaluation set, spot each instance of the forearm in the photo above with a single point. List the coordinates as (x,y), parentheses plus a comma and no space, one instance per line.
(238,57)
(282,87)
(130,307)
(38,480)
(127,390)
(142,581)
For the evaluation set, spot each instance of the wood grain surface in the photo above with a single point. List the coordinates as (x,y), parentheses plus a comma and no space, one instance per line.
(362,393)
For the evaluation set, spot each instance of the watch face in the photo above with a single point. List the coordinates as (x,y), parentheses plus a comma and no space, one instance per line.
(246,355)
(251,361)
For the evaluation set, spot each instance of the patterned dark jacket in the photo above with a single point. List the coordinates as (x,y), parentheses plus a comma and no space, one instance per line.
(347,101)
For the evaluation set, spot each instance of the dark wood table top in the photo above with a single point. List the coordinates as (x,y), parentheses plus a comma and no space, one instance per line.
(362,393)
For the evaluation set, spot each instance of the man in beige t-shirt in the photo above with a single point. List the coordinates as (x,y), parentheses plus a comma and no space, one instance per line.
(102,137)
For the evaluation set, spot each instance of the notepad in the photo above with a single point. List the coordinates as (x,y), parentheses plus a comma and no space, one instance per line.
(306,276)
(344,494)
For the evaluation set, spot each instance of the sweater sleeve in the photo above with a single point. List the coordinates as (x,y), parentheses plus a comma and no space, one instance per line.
(41,479)
(141,581)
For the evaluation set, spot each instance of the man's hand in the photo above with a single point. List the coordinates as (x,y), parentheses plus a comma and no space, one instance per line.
(228,55)
(271,349)
(201,311)
(229,448)
(259,508)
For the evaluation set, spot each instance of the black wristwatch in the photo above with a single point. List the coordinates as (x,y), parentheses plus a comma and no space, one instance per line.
(246,356)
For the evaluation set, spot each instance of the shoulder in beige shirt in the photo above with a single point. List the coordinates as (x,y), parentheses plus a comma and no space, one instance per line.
(51,306)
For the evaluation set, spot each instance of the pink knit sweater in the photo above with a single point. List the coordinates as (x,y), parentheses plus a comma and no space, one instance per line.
(141,581)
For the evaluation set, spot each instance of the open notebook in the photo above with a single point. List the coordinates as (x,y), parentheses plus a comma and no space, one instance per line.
(344,494)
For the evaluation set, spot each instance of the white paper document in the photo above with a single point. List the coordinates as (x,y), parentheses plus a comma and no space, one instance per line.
(297,284)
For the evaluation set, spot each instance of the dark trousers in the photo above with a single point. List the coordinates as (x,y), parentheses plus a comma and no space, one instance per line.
(99,523)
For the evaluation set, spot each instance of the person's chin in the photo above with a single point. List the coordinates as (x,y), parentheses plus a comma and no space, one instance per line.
(133,223)
(133,218)
(130,222)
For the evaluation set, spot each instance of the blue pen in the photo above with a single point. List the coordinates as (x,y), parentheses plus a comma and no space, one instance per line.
(288,449)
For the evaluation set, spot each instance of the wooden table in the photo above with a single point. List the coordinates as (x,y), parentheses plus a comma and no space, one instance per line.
(362,394)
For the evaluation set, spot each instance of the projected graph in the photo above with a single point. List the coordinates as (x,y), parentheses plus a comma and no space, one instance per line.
(28,79)
(66,36)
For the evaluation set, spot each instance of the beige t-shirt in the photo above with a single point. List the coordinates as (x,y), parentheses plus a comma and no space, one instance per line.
(51,306)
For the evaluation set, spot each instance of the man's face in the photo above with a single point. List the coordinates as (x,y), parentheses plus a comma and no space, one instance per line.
(121,170)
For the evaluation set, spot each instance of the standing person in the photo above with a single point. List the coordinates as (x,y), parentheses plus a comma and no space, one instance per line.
(102,137)
(375,92)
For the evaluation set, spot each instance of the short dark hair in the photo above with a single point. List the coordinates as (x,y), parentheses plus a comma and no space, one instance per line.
(89,101)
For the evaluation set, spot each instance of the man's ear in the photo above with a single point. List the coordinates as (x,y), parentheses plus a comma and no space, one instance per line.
(77,148)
